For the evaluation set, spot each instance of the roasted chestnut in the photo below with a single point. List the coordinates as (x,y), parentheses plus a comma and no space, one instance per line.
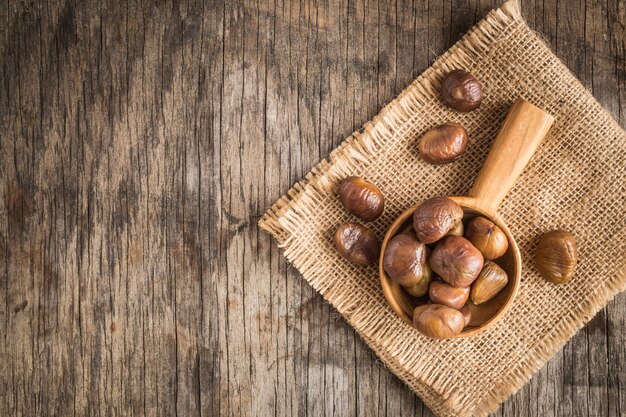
(435,217)
(457,230)
(447,295)
(467,314)
(491,280)
(421,288)
(443,144)
(438,321)
(357,243)
(488,238)
(404,259)
(456,261)
(361,198)
(556,256)
(461,91)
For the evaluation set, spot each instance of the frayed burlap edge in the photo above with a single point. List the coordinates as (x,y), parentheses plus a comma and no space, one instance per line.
(552,343)
(284,219)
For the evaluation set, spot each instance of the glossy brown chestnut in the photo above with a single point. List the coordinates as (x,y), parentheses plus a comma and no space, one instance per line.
(443,144)
(457,230)
(491,280)
(435,217)
(357,243)
(556,256)
(421,288)
(461,91)
(438,321)
(456,261)
(361,198)
(467,314)
(404,260)
(447,295)
(488,238)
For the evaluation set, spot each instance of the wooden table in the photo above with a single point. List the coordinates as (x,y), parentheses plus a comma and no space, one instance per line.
(140,143)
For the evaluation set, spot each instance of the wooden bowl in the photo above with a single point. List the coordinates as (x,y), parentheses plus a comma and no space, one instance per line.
(518,138)
(483,315)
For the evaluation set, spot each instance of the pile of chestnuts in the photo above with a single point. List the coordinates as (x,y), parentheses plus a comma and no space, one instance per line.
(450,262)
(450,259)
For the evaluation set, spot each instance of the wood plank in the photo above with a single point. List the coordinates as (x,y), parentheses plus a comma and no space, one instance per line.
(140,143)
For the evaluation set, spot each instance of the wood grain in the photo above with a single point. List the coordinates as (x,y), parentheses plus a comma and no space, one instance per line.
(141,141)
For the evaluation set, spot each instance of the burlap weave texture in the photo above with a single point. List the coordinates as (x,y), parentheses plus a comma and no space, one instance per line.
(576,181)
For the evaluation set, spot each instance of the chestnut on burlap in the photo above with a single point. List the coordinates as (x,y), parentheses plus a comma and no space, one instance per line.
(576,181)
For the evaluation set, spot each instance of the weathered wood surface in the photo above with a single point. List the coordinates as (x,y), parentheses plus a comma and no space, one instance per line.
(141,141)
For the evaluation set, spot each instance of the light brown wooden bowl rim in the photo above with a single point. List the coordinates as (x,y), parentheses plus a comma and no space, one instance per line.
(464,202)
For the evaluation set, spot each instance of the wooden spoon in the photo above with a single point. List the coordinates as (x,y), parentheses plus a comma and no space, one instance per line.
(518,138)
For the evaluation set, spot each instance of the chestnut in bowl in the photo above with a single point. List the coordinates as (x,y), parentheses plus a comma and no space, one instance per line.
(438,321)
(443,293)
(421,288)
(404,260)
(456,261)
(487,237)
(435,217)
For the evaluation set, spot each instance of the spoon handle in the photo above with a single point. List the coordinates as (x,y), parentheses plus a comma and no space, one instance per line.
(518,138)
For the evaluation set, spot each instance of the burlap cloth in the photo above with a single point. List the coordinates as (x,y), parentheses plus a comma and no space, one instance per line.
(576,181)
